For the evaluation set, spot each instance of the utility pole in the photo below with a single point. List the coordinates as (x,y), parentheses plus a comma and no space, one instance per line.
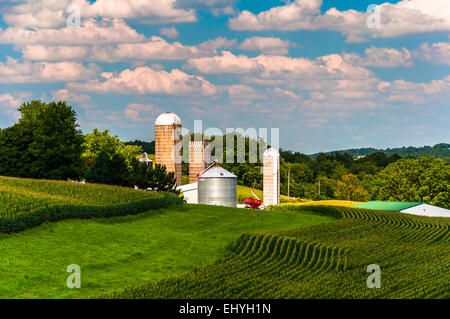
(289,180)
(319,187)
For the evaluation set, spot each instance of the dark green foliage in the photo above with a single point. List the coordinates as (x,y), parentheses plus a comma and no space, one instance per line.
(157,178)
(425,179)
(441,150)
(100,172)
(45,143)
(147,147)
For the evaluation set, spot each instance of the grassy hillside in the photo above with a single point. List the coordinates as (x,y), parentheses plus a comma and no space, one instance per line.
(324,261)
(26,202)
(117,252)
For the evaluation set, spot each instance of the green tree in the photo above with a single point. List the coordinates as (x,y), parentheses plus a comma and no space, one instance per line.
(45,143)
(100,172)
(98,141)
(425,179)
(350,188)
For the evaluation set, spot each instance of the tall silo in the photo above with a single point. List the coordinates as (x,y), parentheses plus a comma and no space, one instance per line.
(168,142)
(271,177)
(217,186)
(198,159)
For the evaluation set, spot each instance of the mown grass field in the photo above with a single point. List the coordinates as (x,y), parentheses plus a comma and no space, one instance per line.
(117,252)
(26,202)
(324,261)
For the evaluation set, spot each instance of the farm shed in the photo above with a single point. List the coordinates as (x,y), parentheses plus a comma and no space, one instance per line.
(414,208)
(190,192)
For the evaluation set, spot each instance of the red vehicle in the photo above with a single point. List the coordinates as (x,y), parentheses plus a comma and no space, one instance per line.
(253,203)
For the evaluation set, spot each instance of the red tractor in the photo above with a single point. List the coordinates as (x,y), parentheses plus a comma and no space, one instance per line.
(253,203)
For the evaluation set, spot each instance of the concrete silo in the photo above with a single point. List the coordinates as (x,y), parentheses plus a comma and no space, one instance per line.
(271,177)
(198,159)
(217,186)
(168,143)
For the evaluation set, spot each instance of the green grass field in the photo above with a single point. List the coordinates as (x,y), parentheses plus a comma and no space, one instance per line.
(26,202)
(129,247)
(324,261)
(116,252)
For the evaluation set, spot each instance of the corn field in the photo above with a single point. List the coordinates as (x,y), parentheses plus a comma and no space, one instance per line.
(26,202)
(324,261)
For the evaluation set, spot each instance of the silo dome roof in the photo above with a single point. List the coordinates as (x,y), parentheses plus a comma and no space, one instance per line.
(271,152)
(168,118)
(215,171)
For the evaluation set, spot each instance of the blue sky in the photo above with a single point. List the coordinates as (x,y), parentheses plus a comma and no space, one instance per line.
(312,68)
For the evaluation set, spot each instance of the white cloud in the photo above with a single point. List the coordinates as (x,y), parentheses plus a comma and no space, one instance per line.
(27,72)
(52,13)
(9,102)
(267,45)
(154,48)
(141,112)
(171,33)
(91,32)
(402,18)
(66,95)
(437,53)
(380,57)
(278,67)
(240,91)
(144,80)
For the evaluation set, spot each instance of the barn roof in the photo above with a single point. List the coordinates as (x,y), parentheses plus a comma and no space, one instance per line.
(393,206)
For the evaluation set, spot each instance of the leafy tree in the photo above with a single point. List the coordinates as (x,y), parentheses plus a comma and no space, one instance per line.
(156,179)
(350,188)
(45,143)
(148,147)
(100,172)
(425,179)
(98,141)
(119,171)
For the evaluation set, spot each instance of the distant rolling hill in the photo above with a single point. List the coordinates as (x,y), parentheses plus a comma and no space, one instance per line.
(441,150)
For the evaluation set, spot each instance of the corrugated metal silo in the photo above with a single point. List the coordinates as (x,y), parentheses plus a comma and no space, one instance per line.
(217,186)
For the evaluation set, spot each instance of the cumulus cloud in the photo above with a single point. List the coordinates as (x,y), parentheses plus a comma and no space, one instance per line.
(154,48)
(273,67)
(53,13)
(267,45)
(90,32)
(398,19)
(141,112)
(145,80)
(9,102)
(169,32)
(380,57)
(437,53)
(14,71)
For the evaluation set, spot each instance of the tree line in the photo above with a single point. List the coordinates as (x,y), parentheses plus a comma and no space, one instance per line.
(46,143)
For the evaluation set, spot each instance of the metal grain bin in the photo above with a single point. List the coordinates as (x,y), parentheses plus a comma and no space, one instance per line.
(217,186)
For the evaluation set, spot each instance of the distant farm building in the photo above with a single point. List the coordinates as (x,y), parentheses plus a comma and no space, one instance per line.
(413,208)
(144,159)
